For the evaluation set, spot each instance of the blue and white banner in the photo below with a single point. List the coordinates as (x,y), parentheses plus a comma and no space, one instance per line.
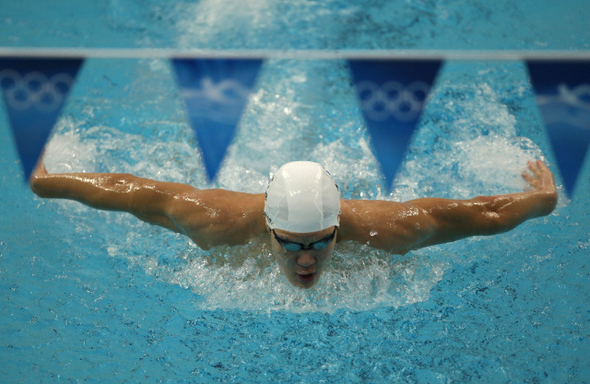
(391,96)
(35,91)
(563,96)
(215,92)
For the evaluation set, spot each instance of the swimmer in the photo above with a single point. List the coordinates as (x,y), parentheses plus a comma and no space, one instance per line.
(301,213)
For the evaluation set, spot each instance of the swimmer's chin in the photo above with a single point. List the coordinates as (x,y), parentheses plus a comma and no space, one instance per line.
(306,281)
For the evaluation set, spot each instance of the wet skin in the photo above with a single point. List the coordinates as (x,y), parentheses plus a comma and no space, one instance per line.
(303,268)
(216,217)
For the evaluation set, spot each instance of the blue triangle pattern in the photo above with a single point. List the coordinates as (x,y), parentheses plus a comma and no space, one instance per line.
(35,91)
(391,96)
(215,92)
(563,97)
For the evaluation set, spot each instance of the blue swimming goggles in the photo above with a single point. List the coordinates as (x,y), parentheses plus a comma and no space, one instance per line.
(316,245)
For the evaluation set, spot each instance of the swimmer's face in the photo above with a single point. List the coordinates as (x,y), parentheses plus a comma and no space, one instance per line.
(303,268)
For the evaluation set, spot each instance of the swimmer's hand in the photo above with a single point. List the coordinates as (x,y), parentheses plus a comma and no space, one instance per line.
(540,178)
(542,184)
(38,172)
(40,169)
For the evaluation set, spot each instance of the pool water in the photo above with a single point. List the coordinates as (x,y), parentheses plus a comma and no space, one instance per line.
(92,296)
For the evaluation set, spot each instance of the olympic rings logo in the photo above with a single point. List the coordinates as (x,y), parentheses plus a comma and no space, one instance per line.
(392,99)
(35,89)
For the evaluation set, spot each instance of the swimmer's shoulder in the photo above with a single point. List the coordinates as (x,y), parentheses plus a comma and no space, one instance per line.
(220,217)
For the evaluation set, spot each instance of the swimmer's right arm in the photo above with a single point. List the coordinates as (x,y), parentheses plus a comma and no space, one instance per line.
(208,217)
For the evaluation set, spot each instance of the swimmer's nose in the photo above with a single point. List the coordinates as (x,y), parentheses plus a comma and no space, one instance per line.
(306,259)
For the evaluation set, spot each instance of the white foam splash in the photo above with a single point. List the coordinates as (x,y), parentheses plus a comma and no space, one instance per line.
(66,152)
(359,278)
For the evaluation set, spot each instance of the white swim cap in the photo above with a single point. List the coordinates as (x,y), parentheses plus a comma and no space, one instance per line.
(302,197)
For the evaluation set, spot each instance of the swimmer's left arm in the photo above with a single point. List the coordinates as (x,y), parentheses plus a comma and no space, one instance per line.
(401,227)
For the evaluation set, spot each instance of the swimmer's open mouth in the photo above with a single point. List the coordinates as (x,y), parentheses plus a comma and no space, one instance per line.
(306,278)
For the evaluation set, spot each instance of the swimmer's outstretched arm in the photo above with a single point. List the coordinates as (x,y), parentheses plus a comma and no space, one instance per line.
(209,217)
(401,227)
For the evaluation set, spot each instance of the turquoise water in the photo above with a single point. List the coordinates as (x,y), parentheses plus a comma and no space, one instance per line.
(90,296)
